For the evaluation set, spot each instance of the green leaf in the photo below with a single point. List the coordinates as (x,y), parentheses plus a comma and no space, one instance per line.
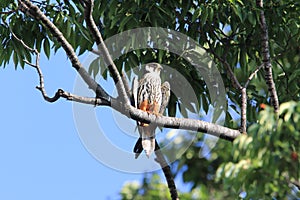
(251,18)
(243,60)
(15,59)
(210,14)
(196,14)
(94,67)
(204,15)
(161,53)
(68,28)
(133,60)
(46,46)
(124,22)
(238,11)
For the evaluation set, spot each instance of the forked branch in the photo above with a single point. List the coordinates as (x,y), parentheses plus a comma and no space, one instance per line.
(237,85)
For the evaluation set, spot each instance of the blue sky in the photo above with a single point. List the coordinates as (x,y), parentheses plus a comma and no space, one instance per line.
(42,156)
(63,150)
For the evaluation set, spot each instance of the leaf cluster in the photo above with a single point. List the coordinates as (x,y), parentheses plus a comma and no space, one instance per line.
(266,162)
(68,17)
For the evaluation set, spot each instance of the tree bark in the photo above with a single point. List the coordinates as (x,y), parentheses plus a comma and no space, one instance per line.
(266,58)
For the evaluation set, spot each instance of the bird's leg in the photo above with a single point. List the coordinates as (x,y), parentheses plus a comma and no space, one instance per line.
(151,109)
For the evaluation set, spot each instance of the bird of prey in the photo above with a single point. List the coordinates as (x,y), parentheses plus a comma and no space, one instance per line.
(151,96)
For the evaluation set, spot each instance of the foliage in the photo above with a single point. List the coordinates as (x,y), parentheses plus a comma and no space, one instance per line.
(266,162)
(152,188)
(67,17)
(262,163)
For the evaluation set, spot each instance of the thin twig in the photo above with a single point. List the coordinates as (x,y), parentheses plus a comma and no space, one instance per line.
(244,100)
(286,75)
(252,75)
(36,66)
(236,84)
(7,12)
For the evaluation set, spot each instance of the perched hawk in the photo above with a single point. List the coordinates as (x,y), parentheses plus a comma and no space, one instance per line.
(152,97)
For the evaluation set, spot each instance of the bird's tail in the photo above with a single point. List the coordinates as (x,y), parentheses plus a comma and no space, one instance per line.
(145,142)
(138,147)
(148,144)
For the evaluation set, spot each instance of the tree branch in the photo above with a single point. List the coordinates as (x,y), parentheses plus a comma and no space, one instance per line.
(8,12)
(162,121)
(266,57)
(123,75)
(252,75)
(167,172)
(238,86)
(243,128)
(126,84)
(177,123)
(139,115)
(244,99)
(88,5)
(235,83)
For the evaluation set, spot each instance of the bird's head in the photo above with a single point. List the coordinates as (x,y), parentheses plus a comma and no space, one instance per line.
(153,68)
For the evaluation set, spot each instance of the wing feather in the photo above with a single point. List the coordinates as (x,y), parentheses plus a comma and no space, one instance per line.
(165,93)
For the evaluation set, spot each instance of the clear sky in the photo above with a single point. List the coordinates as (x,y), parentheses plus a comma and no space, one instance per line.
(63,150)
(42,156)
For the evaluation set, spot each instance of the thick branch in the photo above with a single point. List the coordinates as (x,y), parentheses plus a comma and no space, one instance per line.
(176,123)
(266,58)
(162,121)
